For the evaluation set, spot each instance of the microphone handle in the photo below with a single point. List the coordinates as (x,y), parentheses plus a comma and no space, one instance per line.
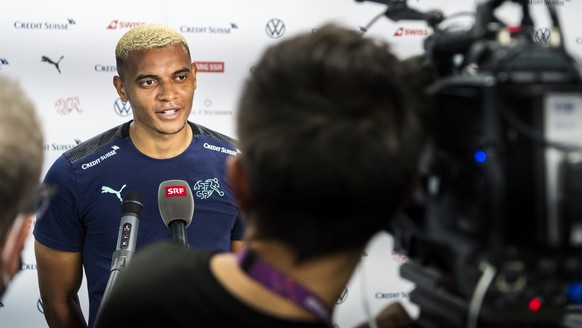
(126,240)
(178,228)
(118,265)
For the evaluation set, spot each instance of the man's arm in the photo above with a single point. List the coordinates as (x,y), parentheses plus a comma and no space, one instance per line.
(236,245)
(392,316)
(59,277)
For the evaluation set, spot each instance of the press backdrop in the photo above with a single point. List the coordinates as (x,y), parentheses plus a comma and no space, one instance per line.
(62,53)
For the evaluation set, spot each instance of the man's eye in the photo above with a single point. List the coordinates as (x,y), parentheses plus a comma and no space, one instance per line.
(147,83)
(182,77)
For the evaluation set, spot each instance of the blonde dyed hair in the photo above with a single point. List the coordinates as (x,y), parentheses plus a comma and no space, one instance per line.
(147,36)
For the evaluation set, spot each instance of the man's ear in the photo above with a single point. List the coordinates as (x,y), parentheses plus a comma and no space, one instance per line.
(238,178)
(118,84)
(13,244)
(194,71)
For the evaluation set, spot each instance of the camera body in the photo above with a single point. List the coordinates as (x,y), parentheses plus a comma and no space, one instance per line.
(494,235)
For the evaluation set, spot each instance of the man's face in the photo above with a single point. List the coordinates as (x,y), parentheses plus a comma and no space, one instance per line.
(159,84)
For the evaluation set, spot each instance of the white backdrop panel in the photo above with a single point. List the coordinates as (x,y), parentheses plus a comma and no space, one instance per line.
(226,38)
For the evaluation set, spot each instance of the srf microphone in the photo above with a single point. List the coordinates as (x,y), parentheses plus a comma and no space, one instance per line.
(131,208)
(176,208)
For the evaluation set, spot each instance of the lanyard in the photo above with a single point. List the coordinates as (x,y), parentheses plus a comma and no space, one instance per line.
(285,286)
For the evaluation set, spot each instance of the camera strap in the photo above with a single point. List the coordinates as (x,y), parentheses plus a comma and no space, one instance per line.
(283,285)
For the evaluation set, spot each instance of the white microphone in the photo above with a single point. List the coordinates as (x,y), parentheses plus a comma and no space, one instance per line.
(176,206)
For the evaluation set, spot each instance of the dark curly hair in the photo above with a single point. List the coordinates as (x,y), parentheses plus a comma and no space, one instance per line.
(330,137)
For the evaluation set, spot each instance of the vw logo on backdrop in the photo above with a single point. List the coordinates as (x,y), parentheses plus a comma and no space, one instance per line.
(40,306)
(275,28)
(542,36)
(343,296)
(121,108)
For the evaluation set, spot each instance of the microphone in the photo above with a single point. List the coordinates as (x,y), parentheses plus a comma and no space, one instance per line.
(176,208)
(131,208)
(399,10)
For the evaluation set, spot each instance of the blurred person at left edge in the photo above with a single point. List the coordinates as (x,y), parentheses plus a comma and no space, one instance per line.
(21,158)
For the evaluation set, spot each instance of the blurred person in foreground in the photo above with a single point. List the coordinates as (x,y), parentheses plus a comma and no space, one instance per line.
(21,159)
(79,232)
(330,140)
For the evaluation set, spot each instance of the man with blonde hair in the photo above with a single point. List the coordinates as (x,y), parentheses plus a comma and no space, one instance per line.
(21,158)
(80,228)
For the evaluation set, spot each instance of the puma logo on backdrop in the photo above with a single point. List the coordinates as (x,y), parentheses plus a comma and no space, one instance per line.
(50,61)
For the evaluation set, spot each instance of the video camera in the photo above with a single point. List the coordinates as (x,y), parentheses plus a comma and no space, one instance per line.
(494,237)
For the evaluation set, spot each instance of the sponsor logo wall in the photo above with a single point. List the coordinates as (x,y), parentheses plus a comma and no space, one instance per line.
(62,53)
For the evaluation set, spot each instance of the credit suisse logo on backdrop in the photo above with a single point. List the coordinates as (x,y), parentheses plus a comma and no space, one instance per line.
(3,62)
(548,2)
(61,147)
(543,2)
(63,25)
(209,29)
(359,30)
(103,68)
(392,295)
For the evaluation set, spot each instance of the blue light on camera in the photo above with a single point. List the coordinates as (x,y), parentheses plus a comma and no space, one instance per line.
(480,156)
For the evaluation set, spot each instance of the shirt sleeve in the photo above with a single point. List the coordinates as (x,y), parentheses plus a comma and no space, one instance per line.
(238,229)
(60,226)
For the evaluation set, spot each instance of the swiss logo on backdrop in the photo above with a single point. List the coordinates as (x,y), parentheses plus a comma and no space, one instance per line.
(119,25)
(404,31)
(65,106)
(175,191)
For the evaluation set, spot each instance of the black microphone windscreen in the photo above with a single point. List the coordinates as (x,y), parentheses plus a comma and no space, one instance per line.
(175,201)
(132,203)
